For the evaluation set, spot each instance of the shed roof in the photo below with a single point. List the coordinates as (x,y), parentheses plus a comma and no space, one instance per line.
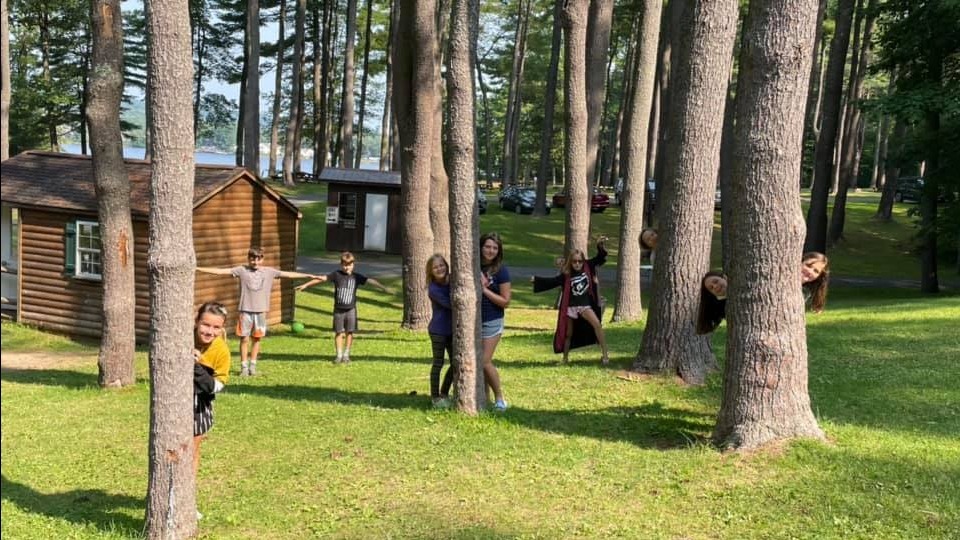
(65,182)
(360,176)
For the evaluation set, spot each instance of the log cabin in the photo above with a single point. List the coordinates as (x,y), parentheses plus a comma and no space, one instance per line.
(51,240)
(363,210)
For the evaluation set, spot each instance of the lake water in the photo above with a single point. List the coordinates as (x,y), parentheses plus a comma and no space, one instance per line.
(214,158)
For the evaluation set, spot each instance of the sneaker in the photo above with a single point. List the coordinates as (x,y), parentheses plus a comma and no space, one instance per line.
(441,403)
(253,370)
(500,405)
(244,371)
(199,515)
(346,359)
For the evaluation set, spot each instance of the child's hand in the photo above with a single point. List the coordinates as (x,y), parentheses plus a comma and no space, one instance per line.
(484,279)
(533,279)
(602,239)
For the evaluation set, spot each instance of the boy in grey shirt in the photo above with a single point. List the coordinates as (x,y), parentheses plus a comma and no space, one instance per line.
(256,282)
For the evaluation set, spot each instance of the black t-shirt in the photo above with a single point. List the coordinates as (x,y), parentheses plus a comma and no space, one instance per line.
(579,289)
(345,289)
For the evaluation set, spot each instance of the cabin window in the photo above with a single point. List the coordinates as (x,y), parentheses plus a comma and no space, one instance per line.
(348,210)
(83,250)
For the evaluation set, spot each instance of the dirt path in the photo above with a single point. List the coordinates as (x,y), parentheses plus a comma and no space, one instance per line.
(43,360)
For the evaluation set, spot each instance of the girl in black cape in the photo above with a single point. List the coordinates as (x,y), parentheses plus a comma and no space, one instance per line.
(578,316)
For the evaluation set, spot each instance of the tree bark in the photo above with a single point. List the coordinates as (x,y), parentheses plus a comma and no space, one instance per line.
(415,105)
(699,88)
(439,181)
(251,102)
(117,342)
(929,281)
(628,304)
(277,90)
(4,81)
(816,238)
(291,149)
(512,117)
(813,101)
(464,219)
(171,492)
(363,85)
(487,127)
(765,396)
(599,21)
(577,224)
(387,121)
(349,74)
(891,172)
(849,163)
(321,130)
(669,41)
(550,102)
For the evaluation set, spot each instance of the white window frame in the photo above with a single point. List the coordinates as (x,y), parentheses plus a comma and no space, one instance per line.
(82,266)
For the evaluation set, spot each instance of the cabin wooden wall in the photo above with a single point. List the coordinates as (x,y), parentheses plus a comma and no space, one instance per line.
(340,238)
(225,227)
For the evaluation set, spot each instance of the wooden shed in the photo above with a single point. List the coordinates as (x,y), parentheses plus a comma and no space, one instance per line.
(51,240)
(363,210)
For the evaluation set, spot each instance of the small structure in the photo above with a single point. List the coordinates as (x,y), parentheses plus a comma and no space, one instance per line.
(51,239)
(363,210)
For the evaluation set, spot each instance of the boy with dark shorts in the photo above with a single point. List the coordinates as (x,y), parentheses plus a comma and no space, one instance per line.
(345,283)
(256,282)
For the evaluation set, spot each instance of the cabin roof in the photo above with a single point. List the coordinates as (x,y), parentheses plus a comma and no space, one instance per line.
(64,182)
(360,176)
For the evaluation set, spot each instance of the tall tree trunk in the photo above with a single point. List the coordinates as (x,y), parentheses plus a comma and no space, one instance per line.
(577,223)
(115,361)
(599,21)
(321,154)
(508,163)
(4,81)
(726,159)
(816,238)
(298,126)
(251,102)
(290,147)
(699,88)
(643,74)
(892,172)
(550,102)
(487,127)
(415,105)
(929,281)
(387,121)
(516,174)
(464,221)
(363,84)
(765,396)
(277,90)
(814,93)
(171,492)
(626,90)
(241,117)
(439,181)
(880,155)
(849,163)
(669,42)
(349,74)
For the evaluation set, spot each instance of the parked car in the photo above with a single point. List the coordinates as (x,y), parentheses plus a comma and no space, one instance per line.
(717,200)
(649,195)
(505,191)
(909,188)
(481,201)
(521,201)
(599,203)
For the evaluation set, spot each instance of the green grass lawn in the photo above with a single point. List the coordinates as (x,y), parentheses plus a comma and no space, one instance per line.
(869,249)
(310,449)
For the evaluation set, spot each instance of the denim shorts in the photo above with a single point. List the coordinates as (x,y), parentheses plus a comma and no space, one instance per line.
(491,328)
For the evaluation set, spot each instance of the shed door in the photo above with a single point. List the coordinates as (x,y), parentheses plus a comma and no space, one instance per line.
(375,223)
(8,252)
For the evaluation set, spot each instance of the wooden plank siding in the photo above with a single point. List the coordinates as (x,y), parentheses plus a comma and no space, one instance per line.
(340,238)
(225,227)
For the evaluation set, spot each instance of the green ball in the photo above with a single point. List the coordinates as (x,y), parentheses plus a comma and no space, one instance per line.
(297,327)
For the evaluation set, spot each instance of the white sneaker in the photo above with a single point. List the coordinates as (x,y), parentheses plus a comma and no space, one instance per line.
(500,405)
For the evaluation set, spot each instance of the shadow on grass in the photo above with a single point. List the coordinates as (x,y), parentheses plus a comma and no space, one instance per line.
(74,380)
(81,506)
(650,426)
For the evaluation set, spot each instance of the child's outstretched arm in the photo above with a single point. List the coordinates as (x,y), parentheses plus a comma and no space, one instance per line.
(541,284)
(214,270)
(284,274)
(311,283)
(379,285)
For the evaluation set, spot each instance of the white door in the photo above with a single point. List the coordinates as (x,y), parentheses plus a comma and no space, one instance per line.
(375,223)
(8,252)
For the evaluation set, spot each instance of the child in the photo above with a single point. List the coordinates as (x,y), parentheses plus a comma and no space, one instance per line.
(713,302)
(440,329)
(345,283)
(648,242)
(211,370)
(578,319)
(497,291)
(256,281)
(814,278)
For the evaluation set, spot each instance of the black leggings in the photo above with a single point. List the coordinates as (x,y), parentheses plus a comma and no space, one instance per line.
(441,344)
